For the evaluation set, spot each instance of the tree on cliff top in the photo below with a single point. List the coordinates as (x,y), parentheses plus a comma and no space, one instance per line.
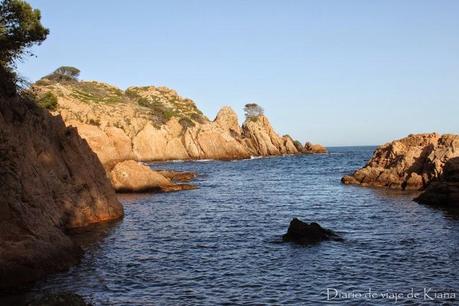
(253,110)
(64,74)
(20,28)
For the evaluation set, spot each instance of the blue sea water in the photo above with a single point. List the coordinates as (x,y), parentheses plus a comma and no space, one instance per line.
(221,244)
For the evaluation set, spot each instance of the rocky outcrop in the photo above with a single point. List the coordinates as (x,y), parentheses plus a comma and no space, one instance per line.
(178,176)
(308,233)
(50,181)
(410,163)
(132,176)
(310,148)
(262,140)
(445,191)
(156,124)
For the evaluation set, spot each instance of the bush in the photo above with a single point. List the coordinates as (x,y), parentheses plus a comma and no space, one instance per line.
(186,122)
(48,101)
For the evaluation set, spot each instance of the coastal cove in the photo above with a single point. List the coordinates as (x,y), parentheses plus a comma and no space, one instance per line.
(217,153)
(222,242)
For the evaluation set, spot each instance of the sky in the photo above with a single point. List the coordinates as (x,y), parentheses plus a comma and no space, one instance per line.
(330,72)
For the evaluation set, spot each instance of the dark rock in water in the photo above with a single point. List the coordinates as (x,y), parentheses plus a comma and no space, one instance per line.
(61,299)
(308,233)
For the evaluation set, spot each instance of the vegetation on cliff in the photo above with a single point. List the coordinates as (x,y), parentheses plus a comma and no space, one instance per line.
(157,104)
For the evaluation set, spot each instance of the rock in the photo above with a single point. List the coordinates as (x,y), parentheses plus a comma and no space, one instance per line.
(160,144)
(50,182)
(410,163)
(262,140)
(99,142)
(132,176)
(228,121)
(211,141)
(445,191)
(304,233)
(60,299)
(178,176)
(310,148)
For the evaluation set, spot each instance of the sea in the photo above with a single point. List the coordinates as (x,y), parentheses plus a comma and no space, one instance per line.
(221,244)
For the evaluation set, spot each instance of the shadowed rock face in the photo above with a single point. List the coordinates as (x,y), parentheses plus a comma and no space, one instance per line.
(445,191)
(410,163)
(50,181)
(308,233)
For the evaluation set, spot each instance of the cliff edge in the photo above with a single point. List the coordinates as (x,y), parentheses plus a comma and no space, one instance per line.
(50,181)
(156,124)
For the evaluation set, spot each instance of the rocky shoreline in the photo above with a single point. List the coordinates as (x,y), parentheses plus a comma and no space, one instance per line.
(410,163)
(60,174)
(421,162)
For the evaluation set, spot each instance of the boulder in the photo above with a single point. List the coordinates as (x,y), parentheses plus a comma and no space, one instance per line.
(445,191)
(308,233)
(310,148)
(132,176)
(410,163)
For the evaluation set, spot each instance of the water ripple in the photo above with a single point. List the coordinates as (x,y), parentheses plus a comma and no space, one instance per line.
(219,245)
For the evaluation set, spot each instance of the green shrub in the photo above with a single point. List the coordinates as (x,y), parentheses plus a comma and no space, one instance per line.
(48,101)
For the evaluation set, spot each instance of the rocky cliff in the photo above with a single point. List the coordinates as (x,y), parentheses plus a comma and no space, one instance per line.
(155,123)
(410,163)
(50,181)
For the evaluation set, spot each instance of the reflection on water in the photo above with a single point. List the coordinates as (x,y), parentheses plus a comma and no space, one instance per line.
(214,245)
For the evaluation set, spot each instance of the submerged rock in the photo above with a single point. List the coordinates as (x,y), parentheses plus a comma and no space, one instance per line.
(445,191)
(132,176)
(308,233)
(410,163)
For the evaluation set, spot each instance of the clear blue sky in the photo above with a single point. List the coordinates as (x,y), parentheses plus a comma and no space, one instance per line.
(332,72)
